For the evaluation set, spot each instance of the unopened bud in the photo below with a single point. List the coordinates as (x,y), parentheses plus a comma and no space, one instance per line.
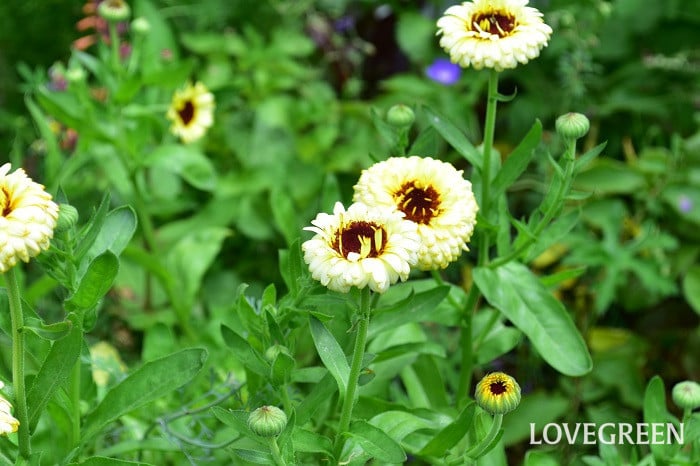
(400,116)
(67,217)
(497,393)
(140,26)
(572,125)
(686,395)
(267,421)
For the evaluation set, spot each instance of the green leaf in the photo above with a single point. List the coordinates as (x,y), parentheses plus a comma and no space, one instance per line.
(284,214)
(691,287)
(104,461)
(114,234)
(376,443)
(54,371)
(92,229)
(655,412)
(318,395)
(245,353)
(331,353)
(187,162)
(453,433)
(190,258)
(254,456)
(454,137)
(53,332)
(610,177)
(517,161)
(520,296)
(414,308)
(308,441)
(148,383)
(95,283)
(399,424)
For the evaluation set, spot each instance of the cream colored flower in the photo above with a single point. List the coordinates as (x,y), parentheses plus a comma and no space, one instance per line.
(8,423)
(495,34)
(191,112)
(429,192)
(27,217)
(360,247)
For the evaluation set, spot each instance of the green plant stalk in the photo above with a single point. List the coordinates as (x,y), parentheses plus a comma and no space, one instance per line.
(275,451)
(114,44)
(465,340)
(17,318)
(358,355)
(480,447)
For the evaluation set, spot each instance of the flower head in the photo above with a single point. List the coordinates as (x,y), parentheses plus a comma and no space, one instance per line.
(27,218)
(430,193)
(360,246)
(686,395)
(191,112)
(496,34)
(267,421)
(497,393)
(443,71)
(8,423)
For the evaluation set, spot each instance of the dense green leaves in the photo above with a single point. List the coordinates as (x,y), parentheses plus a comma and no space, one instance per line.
(146,384)
(515,291)
(330,353)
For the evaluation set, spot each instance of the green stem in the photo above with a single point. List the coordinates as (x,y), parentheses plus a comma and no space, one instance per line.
(480,447)
(114,44)
(17,318)
(275,451)
(358,355)
(466,347)
(489,130)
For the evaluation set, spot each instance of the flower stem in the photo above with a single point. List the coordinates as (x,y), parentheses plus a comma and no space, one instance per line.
(275,451)
(17,318)
(114,43)
(357,357)
(480,447)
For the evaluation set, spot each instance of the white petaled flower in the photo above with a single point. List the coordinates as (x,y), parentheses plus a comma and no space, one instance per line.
(496,34)
(431,193)
(8,423)
(360,247)
(27,218)
(191,112)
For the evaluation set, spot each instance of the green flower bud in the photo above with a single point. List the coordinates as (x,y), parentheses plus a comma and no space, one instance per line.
(75,74)
(67,217)
(686,395)
(400,116)
(141,26)
(267,421)
(114,10)
(273,351)
(497,393)
(572,126)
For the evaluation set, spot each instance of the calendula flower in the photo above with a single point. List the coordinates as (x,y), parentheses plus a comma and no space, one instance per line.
(360,247)
(432,194)
(497,393)
(8,423)
(27,218)
(191,112)
(496,34)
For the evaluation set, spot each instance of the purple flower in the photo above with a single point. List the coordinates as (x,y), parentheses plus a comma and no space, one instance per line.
(443,71)
(685,204)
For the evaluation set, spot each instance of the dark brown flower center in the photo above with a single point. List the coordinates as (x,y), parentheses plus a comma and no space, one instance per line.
(419,204)
(496,23)
(5,202)
(498,388)
(186,112)
(363,238)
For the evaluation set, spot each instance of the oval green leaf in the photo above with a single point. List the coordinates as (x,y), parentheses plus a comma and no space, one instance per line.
(515,291)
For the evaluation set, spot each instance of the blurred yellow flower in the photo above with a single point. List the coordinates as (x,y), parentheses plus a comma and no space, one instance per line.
(497,393)
(360,247)
(191,112)
(8,423)
(430,193)
(496,34)
(27,218)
